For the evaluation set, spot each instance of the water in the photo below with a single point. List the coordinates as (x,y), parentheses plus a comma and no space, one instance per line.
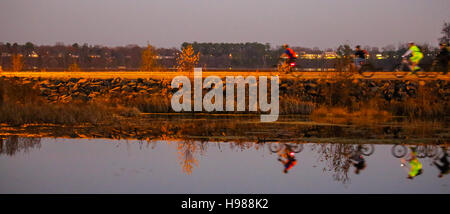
(59,165)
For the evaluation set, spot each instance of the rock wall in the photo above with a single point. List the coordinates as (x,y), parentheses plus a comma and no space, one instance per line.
(316,91)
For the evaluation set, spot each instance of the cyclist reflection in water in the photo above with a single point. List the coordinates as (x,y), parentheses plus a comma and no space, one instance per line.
(444,167)
(358,160)
(287,158)
(416,165)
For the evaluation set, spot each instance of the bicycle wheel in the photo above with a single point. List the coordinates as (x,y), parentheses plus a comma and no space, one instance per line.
(400,74)
(275,147)
(432,74)
(434,70)
(348,149)
(431,151)
(399,71)
(421,74)
(297,148)
(367,149)
(283,66)
(421,151)
(399,151)
(367,71)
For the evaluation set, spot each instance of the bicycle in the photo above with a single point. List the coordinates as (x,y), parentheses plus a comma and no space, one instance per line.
(436,68)
(276,147)
(285,65)
(404,67)
(422,151)
(365,149)
(366,69)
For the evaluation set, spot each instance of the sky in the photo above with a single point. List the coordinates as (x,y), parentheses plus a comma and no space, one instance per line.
(168,23)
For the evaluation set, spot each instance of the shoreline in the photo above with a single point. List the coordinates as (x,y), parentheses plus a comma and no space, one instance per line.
(163,75)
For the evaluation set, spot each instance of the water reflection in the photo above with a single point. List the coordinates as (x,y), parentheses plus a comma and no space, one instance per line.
(443,166)
(335,159)
(357,157)
(241,129)
(13,144)
(338,160)
(286,153)
(186,154)
(413,154)
(415,166)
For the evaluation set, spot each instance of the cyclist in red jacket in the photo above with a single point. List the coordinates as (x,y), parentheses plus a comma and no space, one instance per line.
(287,159)
(290,54)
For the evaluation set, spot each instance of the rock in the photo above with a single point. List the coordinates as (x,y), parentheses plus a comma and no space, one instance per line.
(116,89)
(94,94)
(73,80)
(45,91)
(81,81)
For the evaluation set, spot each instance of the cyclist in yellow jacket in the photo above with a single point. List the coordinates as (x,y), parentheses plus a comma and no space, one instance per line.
(415,164)
(417,55)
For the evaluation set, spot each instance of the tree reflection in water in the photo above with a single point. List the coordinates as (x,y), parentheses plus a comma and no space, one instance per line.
(186,154)
(336,159)
(188,150)
(13,144)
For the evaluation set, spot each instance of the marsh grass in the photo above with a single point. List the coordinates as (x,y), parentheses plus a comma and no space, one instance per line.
(18,114)
(21,102)
(425,105)
(294,105)
(343,115)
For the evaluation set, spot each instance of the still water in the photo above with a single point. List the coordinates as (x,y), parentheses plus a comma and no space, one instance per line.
(59,165)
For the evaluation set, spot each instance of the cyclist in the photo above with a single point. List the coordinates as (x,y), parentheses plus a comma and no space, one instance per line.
(416,166)
(360,56)
(417,55)
(358,160)
(443,57)
(445,166)
(287,159)
(290,55)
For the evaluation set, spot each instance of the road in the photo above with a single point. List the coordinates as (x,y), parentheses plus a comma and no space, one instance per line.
(170,75)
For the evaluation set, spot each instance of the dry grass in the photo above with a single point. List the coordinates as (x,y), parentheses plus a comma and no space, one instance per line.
(423,106)
(153,104)
(369,113)
(20,104)
(293,105)
(343,115)
(18,114)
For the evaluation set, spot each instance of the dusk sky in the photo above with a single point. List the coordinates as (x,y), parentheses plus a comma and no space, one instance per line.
(168,23)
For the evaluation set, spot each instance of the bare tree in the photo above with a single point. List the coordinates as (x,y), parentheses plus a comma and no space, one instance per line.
(445,33)
(148,59)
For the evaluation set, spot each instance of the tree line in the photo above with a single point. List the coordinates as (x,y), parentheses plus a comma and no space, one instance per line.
(60,56)
(211,55)
(251,55)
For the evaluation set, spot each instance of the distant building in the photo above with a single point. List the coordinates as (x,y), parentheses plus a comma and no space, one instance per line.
(94,56)
(164,57)
(33,55)
(325,55)
(330,55)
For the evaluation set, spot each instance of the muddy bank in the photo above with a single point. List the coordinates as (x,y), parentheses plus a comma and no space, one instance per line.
(207,128)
